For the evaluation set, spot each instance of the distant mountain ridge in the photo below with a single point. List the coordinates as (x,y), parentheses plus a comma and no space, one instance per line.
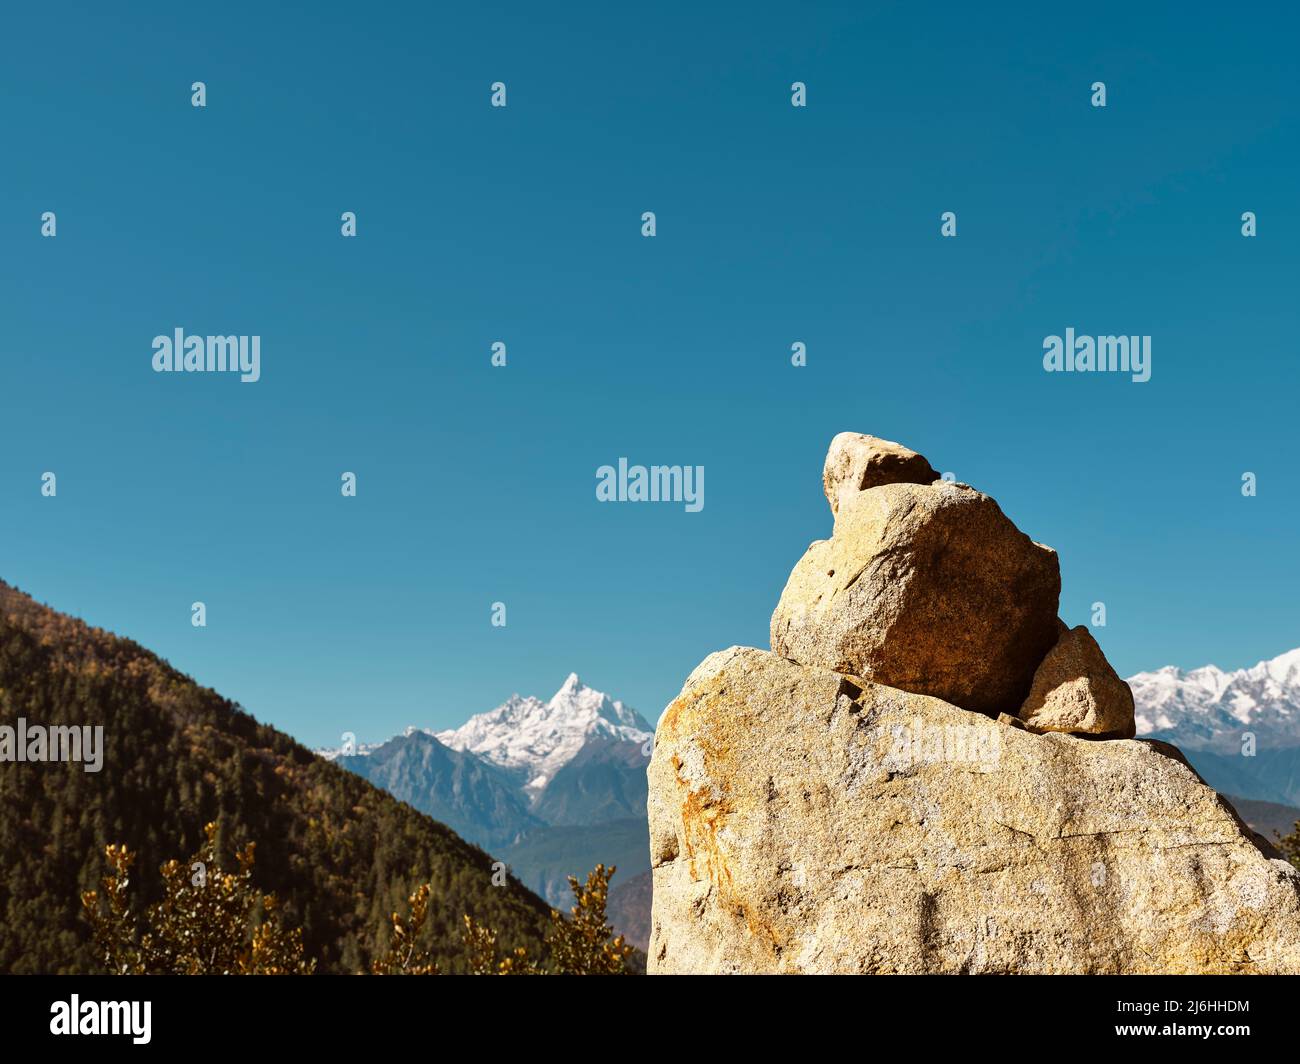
(1269,819)
(1240,729)
(471,796)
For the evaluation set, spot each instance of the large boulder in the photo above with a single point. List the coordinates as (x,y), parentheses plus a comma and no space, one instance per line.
(805,821)
(927,588)
(856,462)
(1076,690)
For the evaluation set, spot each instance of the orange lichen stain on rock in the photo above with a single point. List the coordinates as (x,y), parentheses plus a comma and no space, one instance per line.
(705,803)
(702,817)
(686,846)
(763,931)
(668,719)
(710,721)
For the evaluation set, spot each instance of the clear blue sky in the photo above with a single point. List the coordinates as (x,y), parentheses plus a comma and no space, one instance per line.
(522,224)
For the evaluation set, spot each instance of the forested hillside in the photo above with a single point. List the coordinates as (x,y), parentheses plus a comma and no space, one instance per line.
(341,854)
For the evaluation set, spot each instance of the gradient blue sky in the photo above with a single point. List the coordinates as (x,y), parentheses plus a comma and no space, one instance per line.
(476,224)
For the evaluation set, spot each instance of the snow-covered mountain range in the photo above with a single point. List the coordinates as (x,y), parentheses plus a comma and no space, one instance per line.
(1208,708)
(1239,729)
(533,738)
(552,787)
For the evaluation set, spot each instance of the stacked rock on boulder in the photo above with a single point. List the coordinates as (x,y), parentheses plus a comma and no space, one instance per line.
(930,773)
(929,588)
(856,462)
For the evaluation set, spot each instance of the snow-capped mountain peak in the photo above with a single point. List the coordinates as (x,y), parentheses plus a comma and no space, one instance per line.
(1285,668)
(576,700)
(538,738)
